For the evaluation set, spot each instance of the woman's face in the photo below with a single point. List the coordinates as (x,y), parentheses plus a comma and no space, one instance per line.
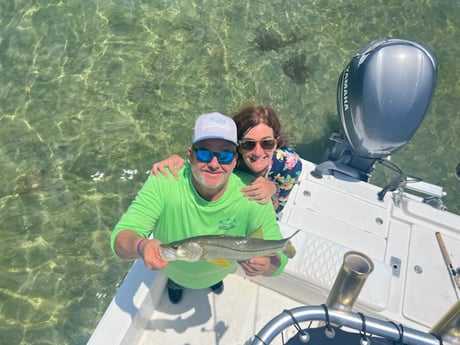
(256,148)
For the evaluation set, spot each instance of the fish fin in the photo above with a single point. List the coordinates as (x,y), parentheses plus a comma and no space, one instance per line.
(220,262)
(295,233)
(289,250)
(258,233)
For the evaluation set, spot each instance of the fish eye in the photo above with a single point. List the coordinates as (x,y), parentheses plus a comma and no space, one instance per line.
(175,246)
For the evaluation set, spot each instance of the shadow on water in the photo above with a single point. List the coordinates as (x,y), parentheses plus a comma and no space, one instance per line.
(315,150)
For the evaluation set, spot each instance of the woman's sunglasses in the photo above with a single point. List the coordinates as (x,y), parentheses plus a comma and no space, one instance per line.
(249,144)
(223,157)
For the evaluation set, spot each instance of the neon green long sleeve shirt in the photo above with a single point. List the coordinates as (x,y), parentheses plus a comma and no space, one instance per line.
(172,210)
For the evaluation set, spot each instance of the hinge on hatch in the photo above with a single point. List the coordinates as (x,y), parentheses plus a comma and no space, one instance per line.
(395,265)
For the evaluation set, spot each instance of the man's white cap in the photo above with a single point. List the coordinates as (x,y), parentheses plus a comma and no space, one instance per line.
(215,126)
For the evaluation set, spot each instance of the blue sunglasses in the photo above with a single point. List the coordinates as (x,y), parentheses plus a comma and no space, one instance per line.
(205,156)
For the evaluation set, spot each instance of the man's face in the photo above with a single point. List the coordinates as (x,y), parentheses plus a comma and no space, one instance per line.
(210,178)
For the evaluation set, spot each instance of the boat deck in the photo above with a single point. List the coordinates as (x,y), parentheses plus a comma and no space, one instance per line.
(203,317)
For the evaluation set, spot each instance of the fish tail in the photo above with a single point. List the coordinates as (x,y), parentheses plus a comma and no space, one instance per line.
(289,250)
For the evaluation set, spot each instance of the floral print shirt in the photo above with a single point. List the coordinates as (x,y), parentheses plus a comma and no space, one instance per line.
(285,171)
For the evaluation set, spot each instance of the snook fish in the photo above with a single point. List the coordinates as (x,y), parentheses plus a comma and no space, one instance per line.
(220,248)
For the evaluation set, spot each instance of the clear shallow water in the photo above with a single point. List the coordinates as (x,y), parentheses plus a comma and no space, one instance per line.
(92,92)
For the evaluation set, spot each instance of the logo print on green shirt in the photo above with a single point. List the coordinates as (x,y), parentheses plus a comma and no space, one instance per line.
(227,224)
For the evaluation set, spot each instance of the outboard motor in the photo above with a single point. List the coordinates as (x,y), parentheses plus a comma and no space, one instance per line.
(382,97)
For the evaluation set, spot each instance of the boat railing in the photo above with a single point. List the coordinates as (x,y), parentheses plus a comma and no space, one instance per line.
(365,327)
(338,317)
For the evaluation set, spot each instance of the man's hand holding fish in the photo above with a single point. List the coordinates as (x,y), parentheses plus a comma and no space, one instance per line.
(149,250)
(261,265)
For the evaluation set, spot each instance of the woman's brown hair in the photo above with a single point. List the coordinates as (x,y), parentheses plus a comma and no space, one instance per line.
(252,116)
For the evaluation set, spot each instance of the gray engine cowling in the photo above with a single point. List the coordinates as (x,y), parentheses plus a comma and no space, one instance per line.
(382,97)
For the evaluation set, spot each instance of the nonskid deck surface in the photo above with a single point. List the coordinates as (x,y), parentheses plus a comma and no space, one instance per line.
(202,317)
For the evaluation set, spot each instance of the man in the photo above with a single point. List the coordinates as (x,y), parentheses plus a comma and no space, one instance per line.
(205,200)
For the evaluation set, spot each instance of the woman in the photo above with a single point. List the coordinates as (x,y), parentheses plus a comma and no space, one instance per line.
(264,153)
